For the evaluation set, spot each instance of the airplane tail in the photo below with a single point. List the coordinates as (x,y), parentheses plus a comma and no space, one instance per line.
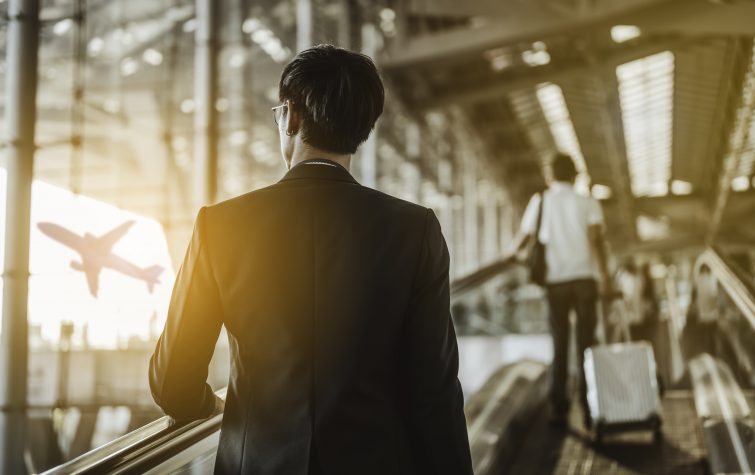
(151,276)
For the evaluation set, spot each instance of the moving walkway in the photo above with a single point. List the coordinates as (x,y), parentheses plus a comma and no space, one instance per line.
(708,423)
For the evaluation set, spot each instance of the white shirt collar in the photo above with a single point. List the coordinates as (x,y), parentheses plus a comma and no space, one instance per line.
(560,186)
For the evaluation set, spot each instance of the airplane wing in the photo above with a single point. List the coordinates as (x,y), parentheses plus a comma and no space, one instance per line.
(108,240)
(93,280)
(62,235)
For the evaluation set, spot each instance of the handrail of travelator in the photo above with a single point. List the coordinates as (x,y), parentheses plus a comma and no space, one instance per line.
(741,294)
(741,274)
(156,442)
(472,281)
(144,447)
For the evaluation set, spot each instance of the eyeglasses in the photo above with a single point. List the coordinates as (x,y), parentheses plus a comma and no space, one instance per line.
(277,115)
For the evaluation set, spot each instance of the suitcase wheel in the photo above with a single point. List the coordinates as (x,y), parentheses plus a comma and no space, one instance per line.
(599,432)
(655,425)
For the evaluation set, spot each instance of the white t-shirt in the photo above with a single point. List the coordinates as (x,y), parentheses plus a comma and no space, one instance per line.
(566,218)
(630,286)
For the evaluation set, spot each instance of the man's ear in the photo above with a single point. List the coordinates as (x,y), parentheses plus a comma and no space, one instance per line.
(293,123)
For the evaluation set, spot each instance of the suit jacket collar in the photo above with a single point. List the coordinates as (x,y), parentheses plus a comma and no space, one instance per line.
(319,169)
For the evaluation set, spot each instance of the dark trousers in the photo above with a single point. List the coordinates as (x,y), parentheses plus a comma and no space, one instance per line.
(582,297)
(708,331)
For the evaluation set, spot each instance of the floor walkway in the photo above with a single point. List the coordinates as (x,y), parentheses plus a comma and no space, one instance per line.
(681,452)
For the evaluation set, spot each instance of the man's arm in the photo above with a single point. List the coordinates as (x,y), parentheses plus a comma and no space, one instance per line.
(178,367)
(435,408)
(521,242)
(528,227)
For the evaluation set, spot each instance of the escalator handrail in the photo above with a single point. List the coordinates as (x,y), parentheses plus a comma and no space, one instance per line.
(736,269)
(150,441)
(159,440)
(474,280)
(733,285)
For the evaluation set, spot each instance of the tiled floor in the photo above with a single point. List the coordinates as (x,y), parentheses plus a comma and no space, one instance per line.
(681,451)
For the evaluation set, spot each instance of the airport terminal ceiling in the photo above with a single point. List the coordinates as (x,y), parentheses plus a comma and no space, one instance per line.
(654,99)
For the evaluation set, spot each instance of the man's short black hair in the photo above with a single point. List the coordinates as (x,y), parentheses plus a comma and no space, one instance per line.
(563,168)
(338,93)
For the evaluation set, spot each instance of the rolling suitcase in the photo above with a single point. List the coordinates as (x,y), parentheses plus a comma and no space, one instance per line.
(622,386)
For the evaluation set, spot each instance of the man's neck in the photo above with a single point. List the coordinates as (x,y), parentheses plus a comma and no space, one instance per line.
(304,152)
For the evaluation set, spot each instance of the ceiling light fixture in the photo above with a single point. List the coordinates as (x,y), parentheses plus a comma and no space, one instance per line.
(622,33)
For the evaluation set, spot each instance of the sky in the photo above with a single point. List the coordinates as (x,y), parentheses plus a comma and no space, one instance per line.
(57,293)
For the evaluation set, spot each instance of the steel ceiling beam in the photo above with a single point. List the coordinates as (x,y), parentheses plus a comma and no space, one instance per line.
(702,95)
(525,21)
(554,72)
(455,8)
(739,139)
(612,129)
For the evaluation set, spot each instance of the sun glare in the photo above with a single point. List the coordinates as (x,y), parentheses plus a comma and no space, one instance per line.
(123,310)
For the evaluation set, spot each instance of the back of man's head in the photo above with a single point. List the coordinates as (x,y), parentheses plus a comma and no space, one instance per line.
(338,93)
(563,168)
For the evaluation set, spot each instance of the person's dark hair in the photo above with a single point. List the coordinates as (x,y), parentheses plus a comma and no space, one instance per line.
(563,168)
(338,93)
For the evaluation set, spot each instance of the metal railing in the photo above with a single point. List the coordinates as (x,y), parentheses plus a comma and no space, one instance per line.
(155,443)
(736,319)
(143,448)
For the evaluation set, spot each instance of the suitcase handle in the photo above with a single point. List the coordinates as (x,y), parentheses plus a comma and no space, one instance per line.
(605,310)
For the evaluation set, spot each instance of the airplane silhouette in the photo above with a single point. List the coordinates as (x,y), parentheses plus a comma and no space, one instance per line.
(95,254)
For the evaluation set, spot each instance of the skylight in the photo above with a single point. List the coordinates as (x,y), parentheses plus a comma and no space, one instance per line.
(646,89)
(552,102)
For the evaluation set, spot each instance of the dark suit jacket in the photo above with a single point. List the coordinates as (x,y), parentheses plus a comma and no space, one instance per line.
(336,302)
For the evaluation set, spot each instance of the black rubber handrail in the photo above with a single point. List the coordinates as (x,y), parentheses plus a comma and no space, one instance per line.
(735,267)
(158,441)
(473,281)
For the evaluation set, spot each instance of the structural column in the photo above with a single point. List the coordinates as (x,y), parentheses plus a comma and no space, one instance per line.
(368,156)
(20,117)
(205,95)
(489,223)
(471,220)
(304,25)
(345,23)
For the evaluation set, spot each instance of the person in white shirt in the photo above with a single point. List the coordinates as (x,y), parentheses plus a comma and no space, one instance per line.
(571,230)
(640,302)
(630,286)
(706,300)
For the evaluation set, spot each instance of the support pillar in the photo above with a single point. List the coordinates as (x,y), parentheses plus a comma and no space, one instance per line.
(304,23)
(205,96)
(471,220)
(345,23)
(490,223)
(368,156)
(20,118)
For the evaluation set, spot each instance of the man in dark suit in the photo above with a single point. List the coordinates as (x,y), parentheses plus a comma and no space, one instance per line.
(336,301)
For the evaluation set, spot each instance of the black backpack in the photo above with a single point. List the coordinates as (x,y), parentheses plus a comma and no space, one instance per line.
(536,261)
